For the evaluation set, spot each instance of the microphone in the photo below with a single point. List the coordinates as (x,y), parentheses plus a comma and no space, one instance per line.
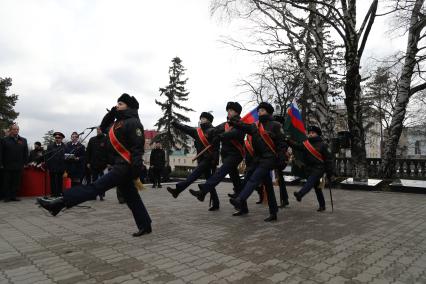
(94,127)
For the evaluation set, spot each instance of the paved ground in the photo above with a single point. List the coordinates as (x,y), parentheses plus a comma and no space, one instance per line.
(370,238)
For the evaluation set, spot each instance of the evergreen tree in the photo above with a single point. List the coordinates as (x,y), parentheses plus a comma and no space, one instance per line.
(48,137)
(175,93)
(7,103)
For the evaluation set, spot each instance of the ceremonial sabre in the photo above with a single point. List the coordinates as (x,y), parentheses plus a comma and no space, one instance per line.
(331,196)
(202,152)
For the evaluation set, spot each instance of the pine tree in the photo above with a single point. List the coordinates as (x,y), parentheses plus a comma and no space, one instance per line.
(48,137)
(7,103)
(175,93)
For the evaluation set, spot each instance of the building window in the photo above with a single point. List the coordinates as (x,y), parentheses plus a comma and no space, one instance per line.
(417,148)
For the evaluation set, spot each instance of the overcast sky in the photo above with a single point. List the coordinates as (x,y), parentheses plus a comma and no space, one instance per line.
(70,60)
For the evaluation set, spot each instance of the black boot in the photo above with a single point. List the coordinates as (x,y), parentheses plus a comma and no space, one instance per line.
(236,202)
(214,208)
(54,206)
(321,209)
(199,194)
(142,232)
(174,191)
(272,217)
(240,213)
(284,204)
(298,197)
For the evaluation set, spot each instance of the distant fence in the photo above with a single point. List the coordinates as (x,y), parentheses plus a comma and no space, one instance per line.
(405,168)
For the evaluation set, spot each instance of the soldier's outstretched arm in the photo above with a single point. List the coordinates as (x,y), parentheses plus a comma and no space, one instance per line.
(108,120)
(188,130)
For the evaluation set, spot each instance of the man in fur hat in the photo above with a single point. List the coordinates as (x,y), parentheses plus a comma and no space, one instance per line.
(204,137)
(318,161)
(126,136)
(232,153)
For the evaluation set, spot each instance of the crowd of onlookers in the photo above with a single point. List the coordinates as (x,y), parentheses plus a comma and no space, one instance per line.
(72,160)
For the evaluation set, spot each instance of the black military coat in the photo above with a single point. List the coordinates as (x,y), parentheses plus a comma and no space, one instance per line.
(55,157)
(130,133)
(13,152)
(212,138)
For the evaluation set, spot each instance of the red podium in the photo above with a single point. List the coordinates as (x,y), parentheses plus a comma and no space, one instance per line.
(35,182)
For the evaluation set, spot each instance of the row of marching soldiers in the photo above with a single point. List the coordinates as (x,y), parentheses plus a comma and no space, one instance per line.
(269,147)
(264,147)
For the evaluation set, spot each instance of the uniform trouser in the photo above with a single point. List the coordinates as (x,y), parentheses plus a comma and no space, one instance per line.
(119,176)
(228,167)
(156,175)
(313,181)
(95,174)
(204,167)
(283,188)
(56,180)
(255,176)
(11,183)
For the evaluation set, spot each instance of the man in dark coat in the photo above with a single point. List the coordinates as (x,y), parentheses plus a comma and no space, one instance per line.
(75,153)
(269,147)
(279,173)
(97,156)
(13,158)
(317,160)
(204,137)
(55,161)
(126,135)
(36,155)
(157,161)
(232,153)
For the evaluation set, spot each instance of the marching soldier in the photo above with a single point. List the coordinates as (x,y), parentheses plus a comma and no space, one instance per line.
(205,139)
(232,153)
(268,143)
(279,173)
(126,136)
(317,160)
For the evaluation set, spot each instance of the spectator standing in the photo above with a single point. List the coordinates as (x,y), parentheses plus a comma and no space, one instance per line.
(13,158)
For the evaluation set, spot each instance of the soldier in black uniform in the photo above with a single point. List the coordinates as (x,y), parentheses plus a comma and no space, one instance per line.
(279,173)
(269,146)
(55,161)
(204,136)
(232,153)
(126,136)
(317,162)
(75,156)
(97,157)
(13,158)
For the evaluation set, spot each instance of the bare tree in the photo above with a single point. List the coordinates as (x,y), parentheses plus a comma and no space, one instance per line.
(277,82)
(341,16)
(412,14)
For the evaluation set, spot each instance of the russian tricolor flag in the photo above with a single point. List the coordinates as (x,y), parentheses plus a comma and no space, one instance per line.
(293,124)
(296,118)
(251,117)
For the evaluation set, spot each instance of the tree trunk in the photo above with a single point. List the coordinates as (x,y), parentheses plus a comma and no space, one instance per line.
(353,105)
(417,22)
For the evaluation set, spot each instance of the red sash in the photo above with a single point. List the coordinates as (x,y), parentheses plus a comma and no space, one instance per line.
(249,146)
(235,142)
(313,151)
(266,138)
(204,139)
(124,153)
